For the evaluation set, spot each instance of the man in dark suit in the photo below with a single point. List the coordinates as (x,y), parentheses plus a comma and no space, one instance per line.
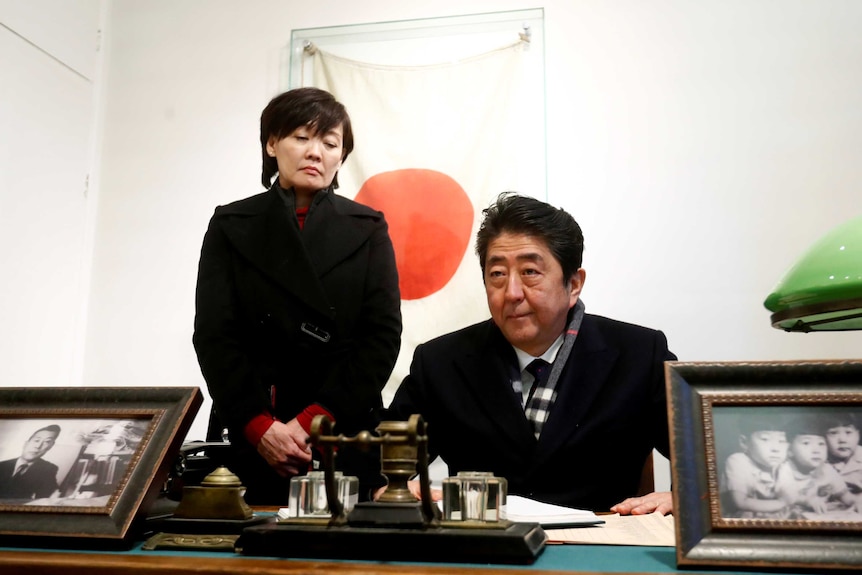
(577,431)
(29,476)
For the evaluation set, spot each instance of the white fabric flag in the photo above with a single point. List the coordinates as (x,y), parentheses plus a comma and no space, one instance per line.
(434,146)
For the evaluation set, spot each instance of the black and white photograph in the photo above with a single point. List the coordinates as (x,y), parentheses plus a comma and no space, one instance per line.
(83,463)
(66,462)
(766,463)
(789,462)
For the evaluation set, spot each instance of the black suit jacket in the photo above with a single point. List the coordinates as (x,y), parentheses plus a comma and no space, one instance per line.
(310,315)
(609,414)
(38,481)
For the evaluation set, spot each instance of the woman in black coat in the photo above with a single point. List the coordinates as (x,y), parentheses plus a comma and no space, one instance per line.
(297,303)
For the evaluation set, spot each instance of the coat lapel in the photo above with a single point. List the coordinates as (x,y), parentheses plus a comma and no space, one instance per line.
(589,365)
(334,230)
(488,373)
(270,241)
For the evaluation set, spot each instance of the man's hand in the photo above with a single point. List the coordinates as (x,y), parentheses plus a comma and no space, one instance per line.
(661,501)
(285,447)
(413,486)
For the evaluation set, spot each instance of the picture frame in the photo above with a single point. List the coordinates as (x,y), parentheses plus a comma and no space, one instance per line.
(90,461)
(738,502)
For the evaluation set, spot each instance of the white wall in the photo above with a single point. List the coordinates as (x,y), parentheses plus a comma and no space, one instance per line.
(702,145)
(711,143)
(48,70)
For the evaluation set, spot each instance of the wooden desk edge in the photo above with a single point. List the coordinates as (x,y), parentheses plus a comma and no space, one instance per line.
(63,563)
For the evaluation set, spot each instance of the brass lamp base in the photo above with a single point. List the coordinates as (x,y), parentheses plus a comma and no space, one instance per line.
(519,543)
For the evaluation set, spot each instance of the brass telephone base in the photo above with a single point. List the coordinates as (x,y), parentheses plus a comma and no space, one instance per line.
(520,543)
(206,526)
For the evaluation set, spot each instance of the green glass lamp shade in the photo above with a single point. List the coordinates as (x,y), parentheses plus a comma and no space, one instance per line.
(823,291)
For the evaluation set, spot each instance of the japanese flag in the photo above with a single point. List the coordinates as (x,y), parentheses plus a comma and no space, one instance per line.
(434,146)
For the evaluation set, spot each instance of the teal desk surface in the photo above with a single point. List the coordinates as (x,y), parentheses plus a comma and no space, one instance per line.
(583,559)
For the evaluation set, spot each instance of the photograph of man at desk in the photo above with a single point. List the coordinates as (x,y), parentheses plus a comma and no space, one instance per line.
(87,461)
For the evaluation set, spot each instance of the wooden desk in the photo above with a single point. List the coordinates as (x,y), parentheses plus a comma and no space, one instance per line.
(98,564)
(556,559)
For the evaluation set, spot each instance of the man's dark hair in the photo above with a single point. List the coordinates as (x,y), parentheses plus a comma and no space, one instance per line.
(515,214)
(53,428)
(312,107)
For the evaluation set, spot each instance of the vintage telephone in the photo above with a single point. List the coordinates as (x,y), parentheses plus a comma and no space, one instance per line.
(396,526)
(195,461)
(202,505)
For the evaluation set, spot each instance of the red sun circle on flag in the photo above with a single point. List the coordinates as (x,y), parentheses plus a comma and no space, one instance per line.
(430,218)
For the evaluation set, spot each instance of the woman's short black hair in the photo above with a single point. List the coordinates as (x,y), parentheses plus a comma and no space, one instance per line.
(516,214)
(312,107)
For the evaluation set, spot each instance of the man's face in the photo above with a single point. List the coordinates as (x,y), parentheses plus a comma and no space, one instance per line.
(808,451)
(526,294)
(766,448)
(38,445)
(842,441)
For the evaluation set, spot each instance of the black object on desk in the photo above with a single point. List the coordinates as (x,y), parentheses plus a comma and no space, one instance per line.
(396,527)
(520,543)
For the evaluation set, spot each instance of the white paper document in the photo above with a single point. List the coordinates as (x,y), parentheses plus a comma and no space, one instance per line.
(654,529)
(523,510)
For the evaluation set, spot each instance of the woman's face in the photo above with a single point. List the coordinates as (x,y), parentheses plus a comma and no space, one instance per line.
(307,160)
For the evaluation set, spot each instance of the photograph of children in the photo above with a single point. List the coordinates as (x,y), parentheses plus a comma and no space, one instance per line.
(751,444)
(65,462)
(778,463)
(812,487)
(845,453)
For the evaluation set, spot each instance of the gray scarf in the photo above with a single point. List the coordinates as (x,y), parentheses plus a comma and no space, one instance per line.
(539,405)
